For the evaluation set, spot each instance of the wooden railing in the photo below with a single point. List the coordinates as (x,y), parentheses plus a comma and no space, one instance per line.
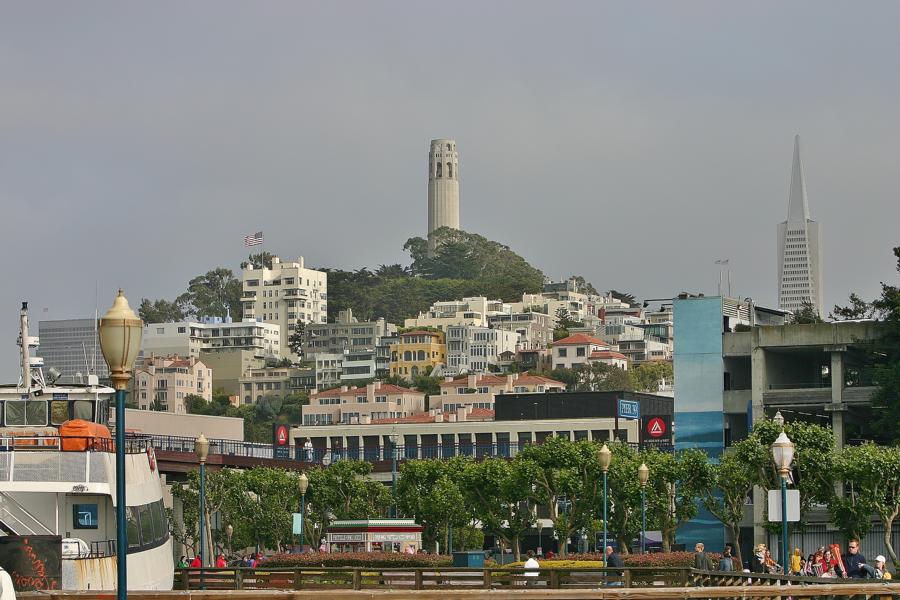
(498,578)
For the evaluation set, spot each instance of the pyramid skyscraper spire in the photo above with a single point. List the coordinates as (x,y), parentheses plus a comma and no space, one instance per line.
(799,247)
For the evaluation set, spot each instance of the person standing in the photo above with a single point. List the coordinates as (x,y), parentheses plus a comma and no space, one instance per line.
(796,559)
(758,562)
(196,564)
(855,563)
(727,562)
(532,569)
(702,562)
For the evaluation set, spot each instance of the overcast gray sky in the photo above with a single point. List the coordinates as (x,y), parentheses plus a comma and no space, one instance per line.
(632,142)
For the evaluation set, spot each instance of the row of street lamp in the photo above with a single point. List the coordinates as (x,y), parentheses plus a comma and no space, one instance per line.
(120,332)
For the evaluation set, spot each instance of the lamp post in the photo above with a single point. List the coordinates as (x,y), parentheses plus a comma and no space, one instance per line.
(303,484)
(201,448)
(643,476)
(120,341)
(779,420)
(605,457)
(783,454)
(394,439)
(229,531)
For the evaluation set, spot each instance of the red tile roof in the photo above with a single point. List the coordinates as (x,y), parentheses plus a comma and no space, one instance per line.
(421,332)
(579,339)
(419,418)
(608,354)
(501,380)
(481,413)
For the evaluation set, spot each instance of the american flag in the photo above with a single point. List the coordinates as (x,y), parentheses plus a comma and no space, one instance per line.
(254,239)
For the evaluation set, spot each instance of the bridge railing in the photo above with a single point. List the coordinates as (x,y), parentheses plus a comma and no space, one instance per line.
(331,455)
(500,578)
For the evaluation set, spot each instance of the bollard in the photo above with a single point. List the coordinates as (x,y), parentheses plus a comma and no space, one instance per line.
(298,579)
(554,579)
(357,579)
(418,585)
(486,579)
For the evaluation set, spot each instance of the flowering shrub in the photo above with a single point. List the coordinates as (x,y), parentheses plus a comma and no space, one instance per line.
(375,560)
(656,559)
(561,564)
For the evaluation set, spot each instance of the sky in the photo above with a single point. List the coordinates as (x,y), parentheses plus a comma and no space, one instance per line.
(634,143)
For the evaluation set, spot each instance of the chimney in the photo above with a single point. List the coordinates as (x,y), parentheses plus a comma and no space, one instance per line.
(365,419)
(448,378)
(377,385)
(473,381)
(450,418)
(344,388)
(462,413)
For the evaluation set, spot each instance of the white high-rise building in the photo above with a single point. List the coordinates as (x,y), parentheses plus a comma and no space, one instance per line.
(799,248)
(443,186)
(285,294)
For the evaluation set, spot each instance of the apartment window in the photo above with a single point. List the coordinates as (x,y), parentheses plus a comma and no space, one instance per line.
(182,330)
(562,352)
(160,330)
(580,351)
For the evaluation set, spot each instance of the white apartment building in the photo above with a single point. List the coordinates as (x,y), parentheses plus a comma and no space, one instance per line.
(534,329)
(211,334)
(472,349)
(329,370)
(468,311)
(581,349)
(549,303)
(480,391)
(362,404)
(285,294)
(164,382)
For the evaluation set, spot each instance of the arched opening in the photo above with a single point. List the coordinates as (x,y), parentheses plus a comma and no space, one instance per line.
(407,355)
(421,355)
(438,174)
(450,170)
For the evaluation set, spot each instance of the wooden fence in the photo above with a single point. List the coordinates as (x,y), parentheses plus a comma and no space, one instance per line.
(497,578)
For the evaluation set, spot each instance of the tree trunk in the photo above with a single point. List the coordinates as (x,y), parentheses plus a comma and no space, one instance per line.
(736,539)
(888,521)
(666,540)
(517,551)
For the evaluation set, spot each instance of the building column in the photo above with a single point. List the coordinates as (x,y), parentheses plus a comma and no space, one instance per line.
(837,396)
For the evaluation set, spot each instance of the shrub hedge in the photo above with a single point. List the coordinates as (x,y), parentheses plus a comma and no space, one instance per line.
(376,560)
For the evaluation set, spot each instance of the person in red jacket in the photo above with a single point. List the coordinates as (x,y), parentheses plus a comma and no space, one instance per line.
(220,562)
(196,564)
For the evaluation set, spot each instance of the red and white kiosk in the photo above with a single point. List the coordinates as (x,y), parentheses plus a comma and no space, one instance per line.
(374,535)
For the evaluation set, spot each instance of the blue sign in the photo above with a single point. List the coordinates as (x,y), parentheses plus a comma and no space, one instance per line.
(60,396)
(629,409)
(84,516)
(297,523)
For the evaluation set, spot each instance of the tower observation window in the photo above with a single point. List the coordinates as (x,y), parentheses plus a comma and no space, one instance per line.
(450,170)
(439,170)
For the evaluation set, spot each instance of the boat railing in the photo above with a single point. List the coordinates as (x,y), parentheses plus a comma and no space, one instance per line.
(134,444)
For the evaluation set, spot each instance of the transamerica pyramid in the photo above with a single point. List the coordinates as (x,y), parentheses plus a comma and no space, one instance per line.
(799,248)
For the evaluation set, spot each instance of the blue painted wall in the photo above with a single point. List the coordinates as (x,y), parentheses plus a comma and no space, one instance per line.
(699,404)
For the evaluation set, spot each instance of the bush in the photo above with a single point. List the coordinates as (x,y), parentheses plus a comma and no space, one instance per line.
(375,560)
(561,564)
(656,559)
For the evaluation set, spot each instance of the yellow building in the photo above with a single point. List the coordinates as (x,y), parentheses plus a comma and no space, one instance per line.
(416,352)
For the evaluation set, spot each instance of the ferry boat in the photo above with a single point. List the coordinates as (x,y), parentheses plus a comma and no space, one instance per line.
(58,483)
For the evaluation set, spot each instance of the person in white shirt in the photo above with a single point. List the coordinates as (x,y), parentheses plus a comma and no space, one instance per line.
(7,591)
(532,569)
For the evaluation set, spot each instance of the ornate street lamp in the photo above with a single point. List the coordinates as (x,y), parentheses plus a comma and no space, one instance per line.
(605,458)
(394,440)
(201,448)
(779,420)
(120,341)
(783,454)
(643,477)
(303,484)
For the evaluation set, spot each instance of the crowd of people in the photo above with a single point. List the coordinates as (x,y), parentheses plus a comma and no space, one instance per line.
(250,560)
(824,562)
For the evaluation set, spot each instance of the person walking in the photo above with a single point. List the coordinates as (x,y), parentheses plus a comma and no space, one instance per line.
(727,562)
(796,559)
(702,562)
(614,561)
(532,569)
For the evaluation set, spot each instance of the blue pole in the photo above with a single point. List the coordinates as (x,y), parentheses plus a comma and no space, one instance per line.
(604,518)
(121,529)
(643,519)
(784,529)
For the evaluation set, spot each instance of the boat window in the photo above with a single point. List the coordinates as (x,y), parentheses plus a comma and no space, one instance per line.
(131,528)
(146,524)
(160,527)
(83,409)
(35,412)
(59,412)
(14,413)
(84,516)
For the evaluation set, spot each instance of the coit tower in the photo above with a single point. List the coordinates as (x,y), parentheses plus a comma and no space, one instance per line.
(443,187)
